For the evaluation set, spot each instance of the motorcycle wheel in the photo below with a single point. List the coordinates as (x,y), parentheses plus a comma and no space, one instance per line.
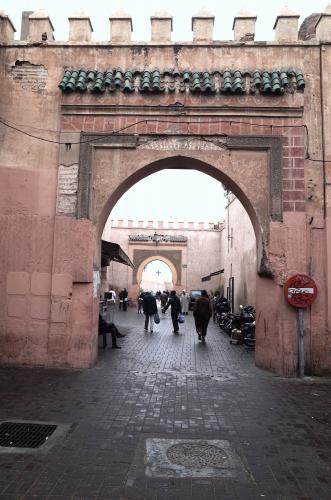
(249,343)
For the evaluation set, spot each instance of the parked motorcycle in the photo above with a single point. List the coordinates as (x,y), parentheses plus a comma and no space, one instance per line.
(239,325)
(248,332)
(221,306)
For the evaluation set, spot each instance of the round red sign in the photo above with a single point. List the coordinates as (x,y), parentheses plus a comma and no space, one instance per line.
(300,290)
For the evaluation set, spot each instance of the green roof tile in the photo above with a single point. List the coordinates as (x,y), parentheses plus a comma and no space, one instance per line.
(128,86)
(256,75)
(283,78)
(266,82)
(91,76)
(227,81)
(81,81)
(65,80)
(300,80)
(98,83)
(274,82)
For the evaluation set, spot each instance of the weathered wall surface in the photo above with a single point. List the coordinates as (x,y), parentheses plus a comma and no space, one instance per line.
(50,248)
(320,235)
(238,254)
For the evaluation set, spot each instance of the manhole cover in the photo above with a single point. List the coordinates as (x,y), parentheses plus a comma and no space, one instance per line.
(200,455)
(191,458)
(24,435)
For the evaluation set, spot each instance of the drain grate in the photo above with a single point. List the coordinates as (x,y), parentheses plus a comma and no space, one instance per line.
(24,435)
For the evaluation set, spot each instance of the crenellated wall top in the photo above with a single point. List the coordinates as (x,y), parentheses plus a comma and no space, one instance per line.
(165,225)
(38,27)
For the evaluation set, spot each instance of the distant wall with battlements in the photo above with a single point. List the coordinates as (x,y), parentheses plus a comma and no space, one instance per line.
(194,248)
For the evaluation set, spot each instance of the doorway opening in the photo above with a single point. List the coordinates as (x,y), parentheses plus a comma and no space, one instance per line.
(156,276)
(179,226)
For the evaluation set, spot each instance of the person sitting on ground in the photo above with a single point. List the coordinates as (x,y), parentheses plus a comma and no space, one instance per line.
(104,328)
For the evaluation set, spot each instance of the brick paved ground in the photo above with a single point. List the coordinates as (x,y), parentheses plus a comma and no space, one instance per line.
(171,387)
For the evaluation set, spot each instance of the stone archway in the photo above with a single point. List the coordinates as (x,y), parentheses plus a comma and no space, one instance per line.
(250,166)
(225,159)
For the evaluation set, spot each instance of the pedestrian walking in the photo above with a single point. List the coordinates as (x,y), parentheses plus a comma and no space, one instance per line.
(176,309)
(123,296)
(140,302)
(184,298)
(163,299)
(110,301)
(149,308)
(202,314)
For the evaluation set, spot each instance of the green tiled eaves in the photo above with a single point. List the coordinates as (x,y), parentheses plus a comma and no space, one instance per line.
(227,81)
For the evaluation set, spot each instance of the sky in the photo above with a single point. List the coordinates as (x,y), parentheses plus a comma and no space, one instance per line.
(181,11)
(183,195)
(190,196)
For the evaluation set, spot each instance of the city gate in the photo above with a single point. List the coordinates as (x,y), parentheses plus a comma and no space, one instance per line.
(116,112)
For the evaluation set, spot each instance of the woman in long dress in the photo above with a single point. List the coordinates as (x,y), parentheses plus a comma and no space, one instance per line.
(202,314)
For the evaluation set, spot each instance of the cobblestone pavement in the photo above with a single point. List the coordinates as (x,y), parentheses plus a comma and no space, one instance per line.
(168,392)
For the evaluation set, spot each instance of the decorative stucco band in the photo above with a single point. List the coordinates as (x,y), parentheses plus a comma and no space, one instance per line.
(88,143)
(272,145)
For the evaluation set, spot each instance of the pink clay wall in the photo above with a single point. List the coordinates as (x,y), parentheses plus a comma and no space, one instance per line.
(48,308)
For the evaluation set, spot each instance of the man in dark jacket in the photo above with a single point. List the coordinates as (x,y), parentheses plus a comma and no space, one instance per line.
(149,308)
(164,299)
(123,296)
(176,309)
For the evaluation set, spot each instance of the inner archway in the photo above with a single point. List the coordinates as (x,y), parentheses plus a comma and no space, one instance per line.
(156,276)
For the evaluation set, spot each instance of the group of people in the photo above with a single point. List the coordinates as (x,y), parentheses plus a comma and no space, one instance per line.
(147,303)
(178,306)
(122,296)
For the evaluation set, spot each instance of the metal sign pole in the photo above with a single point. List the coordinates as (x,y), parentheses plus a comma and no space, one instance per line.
(300,291)
(301,346)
